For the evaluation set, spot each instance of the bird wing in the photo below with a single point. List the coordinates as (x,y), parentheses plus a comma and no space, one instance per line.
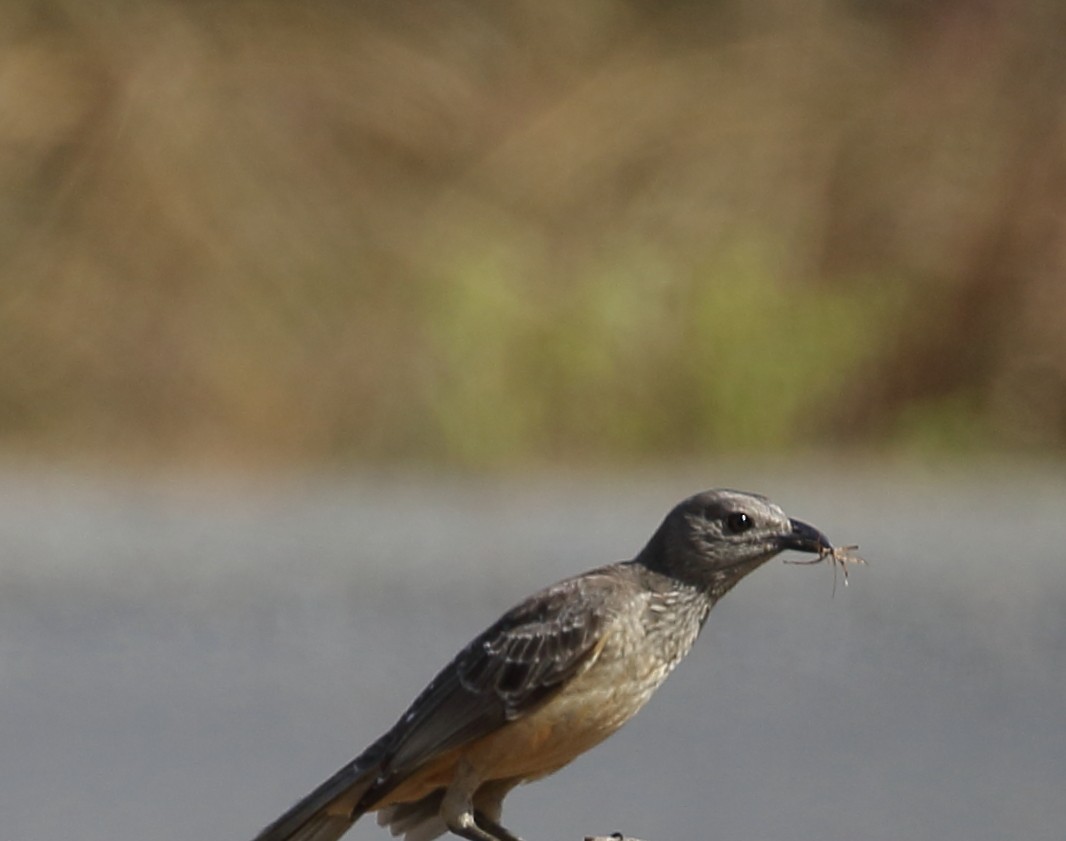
(503,674)
(506,672)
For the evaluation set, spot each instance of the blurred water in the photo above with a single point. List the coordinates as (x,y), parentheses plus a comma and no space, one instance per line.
(184,659)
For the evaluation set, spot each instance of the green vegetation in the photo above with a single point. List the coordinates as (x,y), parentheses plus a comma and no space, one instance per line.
(637,358)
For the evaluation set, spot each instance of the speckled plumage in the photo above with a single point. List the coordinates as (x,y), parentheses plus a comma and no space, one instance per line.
(553,677)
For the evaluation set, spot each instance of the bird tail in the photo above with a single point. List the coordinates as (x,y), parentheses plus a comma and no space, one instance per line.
(328,811)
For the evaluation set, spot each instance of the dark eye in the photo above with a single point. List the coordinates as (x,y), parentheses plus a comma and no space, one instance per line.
(738,522)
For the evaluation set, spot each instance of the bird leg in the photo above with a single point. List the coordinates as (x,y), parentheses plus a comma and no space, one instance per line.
(457,808)
(488,806)
(498,831)
(465,826)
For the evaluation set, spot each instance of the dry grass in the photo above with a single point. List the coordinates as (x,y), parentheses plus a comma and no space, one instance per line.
(480,233)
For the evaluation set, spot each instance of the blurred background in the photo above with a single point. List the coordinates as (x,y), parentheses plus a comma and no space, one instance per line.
(330,329)
(484,234)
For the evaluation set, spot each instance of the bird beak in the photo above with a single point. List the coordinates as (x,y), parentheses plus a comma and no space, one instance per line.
(806,538)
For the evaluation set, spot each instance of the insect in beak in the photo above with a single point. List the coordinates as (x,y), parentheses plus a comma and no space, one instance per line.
(839,556)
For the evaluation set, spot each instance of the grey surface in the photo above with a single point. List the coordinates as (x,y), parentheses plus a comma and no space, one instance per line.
(184,659)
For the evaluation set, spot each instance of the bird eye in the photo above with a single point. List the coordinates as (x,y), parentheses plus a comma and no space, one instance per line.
(738,522)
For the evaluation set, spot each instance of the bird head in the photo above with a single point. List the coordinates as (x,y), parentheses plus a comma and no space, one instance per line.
(715,538)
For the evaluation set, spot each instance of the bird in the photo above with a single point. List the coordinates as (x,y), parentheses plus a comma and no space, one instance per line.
(550,679)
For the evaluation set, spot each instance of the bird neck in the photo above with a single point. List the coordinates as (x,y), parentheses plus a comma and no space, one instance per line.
(664,582)
(672,567)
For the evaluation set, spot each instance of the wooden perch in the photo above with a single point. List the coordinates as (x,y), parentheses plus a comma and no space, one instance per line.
(614,836)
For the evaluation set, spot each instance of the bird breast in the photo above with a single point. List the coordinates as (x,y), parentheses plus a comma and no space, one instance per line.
(635,654)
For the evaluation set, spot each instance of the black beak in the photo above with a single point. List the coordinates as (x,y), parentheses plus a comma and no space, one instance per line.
(806,538)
